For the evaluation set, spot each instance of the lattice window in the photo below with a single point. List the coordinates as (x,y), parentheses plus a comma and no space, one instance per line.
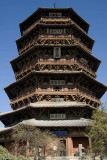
(56,52)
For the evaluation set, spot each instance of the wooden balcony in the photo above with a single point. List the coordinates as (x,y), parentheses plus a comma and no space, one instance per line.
(42,39)
(66,37)
(27,68)
(82,96)
(28,45)
(50,21)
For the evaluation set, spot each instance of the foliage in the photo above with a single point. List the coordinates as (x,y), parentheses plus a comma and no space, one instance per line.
(97,131)
(31,141)
(5,155)
(76,154)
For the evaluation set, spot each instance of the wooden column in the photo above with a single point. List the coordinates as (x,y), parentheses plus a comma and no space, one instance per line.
(69,146)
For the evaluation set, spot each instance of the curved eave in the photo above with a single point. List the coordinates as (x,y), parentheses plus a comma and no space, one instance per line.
(5,117)
(47,105)
(58,123)
(91,41)
(91,56)
(56,73)
(48,25)
(5,129)
(21,79)
(80,122)
(53,9)
(13,62)
(87,24)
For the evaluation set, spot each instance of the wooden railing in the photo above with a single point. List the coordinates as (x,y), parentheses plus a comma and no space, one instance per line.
(75,91)
(32,65)
(28,45)
(48,37)
(67,20)
(81,44)
(49,20)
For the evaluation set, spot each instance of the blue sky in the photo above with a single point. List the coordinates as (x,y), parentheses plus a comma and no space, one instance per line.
(13,12)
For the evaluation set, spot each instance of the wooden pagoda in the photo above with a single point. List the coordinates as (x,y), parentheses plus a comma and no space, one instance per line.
(56,86)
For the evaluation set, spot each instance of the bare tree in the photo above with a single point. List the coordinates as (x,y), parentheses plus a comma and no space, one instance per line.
(31,141)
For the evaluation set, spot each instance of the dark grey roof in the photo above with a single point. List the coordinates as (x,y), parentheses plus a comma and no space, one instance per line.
(58,123)
(60,104)
(82,122)
(49,104)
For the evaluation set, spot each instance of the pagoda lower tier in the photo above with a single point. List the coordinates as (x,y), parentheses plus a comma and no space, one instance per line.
(66,120)
(72,133)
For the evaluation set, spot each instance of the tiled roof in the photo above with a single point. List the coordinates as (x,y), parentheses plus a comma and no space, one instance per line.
(82,122)
(58,104)
(49,104)
(59,123)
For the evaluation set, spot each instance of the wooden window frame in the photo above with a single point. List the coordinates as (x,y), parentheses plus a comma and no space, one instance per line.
(58,54)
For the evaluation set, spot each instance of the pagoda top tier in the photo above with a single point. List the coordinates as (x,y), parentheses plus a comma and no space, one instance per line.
(53,13)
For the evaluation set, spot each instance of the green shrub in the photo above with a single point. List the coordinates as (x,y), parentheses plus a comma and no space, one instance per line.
(5,155)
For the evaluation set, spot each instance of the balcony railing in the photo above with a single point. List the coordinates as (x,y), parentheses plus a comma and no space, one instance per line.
(28,45)
(74,91)
(55,37)
(29,67)
(48,20)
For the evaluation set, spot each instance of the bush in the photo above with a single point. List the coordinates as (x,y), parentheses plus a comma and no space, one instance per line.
(5,155)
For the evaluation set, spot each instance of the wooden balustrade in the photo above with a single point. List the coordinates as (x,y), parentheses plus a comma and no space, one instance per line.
(51,20)
(54,37)
(81,44)
(28,45)
(36,62)
(75,91)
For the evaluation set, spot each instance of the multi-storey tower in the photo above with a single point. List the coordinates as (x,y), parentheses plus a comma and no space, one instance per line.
(55,74)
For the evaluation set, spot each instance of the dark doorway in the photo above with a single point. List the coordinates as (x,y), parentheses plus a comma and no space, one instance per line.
(80,140)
